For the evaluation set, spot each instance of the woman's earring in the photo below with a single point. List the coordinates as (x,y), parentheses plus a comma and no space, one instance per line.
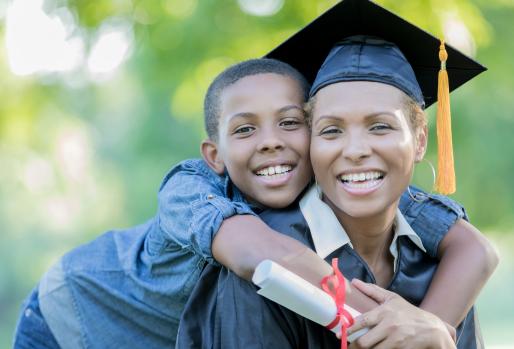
(318,189)
(420,196)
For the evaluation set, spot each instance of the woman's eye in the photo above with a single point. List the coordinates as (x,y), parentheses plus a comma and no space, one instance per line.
(380,127)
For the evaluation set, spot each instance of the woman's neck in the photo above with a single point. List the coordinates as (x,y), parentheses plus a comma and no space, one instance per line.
(371,237)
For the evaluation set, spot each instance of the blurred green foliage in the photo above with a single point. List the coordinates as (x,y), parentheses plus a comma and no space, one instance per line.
(79,156)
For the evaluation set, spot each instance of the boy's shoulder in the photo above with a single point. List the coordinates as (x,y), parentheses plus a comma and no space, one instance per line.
(192,167)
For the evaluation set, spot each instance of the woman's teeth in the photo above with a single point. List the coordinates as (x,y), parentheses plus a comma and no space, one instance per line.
(362,178)
(274,170)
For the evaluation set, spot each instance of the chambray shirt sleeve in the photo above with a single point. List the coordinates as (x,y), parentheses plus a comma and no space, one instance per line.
(193,202)
(431,218)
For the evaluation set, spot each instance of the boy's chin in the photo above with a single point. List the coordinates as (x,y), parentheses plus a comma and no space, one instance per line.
(279,202)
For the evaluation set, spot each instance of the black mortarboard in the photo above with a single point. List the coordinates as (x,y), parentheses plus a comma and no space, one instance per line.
(359,40)
(308,48)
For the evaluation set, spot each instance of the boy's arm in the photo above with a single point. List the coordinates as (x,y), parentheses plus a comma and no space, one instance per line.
(467,260)
(242,242)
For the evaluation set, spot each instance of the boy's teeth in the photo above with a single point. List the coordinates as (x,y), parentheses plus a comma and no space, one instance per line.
(274,170)
(360,177)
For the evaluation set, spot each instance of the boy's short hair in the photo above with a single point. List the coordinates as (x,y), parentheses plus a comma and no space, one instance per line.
(235,73)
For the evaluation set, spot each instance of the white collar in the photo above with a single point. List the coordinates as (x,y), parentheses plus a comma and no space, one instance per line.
(328,234)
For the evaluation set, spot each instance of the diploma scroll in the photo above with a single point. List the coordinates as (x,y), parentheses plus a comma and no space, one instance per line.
(296,294)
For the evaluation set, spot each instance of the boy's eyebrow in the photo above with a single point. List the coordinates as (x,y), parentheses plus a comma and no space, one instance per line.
(242,114)
(281,110)
(289,107)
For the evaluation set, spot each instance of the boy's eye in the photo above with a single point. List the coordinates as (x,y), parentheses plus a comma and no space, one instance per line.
(330,131)
(244,130)
(290,124)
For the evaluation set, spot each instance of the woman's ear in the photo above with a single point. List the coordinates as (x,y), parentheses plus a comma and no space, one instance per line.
(421,143)
(212,157)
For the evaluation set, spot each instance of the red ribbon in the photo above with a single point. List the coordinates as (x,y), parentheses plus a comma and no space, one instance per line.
(335,286)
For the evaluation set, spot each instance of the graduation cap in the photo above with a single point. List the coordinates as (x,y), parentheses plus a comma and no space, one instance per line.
(360,40)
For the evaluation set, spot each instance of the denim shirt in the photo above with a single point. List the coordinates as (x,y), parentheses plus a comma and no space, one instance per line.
(127,288)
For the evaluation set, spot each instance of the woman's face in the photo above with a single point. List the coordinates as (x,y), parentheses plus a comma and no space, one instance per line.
(363,148)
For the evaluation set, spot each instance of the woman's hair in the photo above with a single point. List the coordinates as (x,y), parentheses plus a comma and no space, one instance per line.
(417,116)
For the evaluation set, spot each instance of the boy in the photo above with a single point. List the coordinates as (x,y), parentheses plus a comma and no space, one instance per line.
(128,288)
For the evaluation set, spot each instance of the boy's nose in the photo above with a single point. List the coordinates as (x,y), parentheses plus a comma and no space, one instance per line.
(271,143)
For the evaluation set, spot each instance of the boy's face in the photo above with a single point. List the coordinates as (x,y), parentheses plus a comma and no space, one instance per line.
(264,138)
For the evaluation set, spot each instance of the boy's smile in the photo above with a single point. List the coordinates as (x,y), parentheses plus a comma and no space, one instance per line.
(264,138)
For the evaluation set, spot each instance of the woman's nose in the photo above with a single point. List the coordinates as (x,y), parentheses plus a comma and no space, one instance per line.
(356,148)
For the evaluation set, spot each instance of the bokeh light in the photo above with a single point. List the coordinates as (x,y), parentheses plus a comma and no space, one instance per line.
(457,34)
(180,9)
(38,42)
(111,48)
(261,7)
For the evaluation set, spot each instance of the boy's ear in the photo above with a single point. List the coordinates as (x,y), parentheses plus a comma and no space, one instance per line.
(421,143)
(212,157)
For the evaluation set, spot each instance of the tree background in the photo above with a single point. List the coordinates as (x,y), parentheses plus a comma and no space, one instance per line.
(100,98)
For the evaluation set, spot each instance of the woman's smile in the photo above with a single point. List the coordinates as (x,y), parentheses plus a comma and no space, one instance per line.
(362,182)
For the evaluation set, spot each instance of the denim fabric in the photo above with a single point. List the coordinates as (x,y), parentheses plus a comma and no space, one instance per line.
(193,201)
(127,288)
(431,218)
(32,331)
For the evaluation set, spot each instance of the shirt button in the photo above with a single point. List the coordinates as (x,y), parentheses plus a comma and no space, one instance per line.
(28,312)
(210,197)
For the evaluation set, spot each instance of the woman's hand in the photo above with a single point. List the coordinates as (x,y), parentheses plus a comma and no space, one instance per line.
(396,323)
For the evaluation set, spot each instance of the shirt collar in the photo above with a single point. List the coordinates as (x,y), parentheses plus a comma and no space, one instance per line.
(328,234)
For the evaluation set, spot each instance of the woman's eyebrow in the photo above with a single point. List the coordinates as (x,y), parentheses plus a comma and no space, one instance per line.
(326,117)
(380,113)
(366,118)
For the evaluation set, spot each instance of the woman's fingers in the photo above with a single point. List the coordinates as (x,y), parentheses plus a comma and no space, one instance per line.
(375,292)
(369,319)
(371,338)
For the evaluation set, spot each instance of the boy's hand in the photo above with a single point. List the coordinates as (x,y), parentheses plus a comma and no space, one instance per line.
(396,323)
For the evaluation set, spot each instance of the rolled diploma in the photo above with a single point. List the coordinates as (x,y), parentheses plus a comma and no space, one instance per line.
(296,294)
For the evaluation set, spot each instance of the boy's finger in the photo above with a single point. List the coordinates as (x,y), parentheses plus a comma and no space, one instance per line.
(373,291)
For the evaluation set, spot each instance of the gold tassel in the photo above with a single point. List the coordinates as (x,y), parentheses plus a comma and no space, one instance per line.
(445,181)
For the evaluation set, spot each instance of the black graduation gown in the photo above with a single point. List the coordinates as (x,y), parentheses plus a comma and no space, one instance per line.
(225,311)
